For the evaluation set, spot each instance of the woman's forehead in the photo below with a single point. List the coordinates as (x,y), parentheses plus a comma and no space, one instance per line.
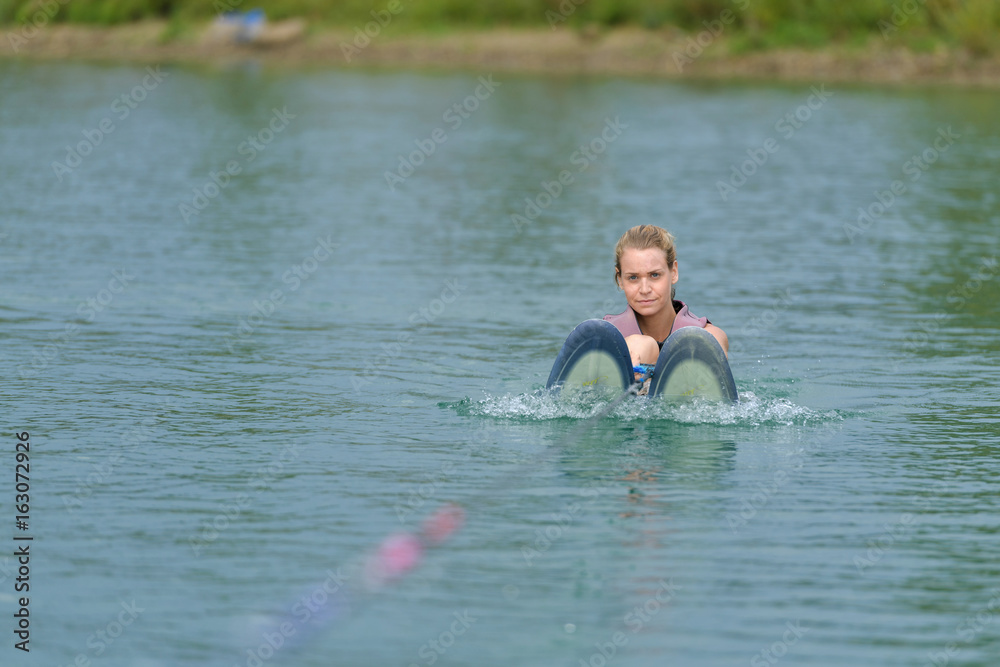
(649,258)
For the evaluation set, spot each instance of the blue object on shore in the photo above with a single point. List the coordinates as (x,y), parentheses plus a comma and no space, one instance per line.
(249,24)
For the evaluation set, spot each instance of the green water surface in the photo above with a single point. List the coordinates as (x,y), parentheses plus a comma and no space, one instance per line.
(244,360)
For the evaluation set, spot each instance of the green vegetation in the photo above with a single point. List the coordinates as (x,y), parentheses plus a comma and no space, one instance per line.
(753,24)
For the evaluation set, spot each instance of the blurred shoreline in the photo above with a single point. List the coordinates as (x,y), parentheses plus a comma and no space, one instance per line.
(621,51)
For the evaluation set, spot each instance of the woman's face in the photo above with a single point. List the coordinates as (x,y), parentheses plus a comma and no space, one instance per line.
(647,280)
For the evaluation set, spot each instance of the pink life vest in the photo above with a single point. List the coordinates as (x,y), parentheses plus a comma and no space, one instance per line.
(627,324)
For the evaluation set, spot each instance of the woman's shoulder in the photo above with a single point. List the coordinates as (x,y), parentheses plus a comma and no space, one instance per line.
(685,318)
(624,322)
(613,318)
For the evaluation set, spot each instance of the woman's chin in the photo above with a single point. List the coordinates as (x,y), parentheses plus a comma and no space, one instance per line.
(647,309)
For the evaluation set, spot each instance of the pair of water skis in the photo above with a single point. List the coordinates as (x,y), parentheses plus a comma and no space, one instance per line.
(595,358)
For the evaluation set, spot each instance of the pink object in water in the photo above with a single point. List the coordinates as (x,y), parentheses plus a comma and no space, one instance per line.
(399,553)
(402,552)
(439,526)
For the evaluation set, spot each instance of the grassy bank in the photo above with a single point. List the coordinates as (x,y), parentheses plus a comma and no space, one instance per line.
(919,25)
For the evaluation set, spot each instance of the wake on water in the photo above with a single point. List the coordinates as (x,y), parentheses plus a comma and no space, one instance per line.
(544,404)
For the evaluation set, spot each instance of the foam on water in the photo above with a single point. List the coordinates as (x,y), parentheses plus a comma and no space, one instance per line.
(543,404)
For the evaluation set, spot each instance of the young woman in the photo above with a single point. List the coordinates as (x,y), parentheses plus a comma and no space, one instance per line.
(646,270)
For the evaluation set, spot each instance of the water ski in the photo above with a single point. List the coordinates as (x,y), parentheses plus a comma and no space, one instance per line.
(594,356)
(692,364)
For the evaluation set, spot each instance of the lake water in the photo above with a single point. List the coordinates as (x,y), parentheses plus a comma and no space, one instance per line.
(237,386)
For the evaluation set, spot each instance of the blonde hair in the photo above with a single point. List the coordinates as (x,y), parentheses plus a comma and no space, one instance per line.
(642,237)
